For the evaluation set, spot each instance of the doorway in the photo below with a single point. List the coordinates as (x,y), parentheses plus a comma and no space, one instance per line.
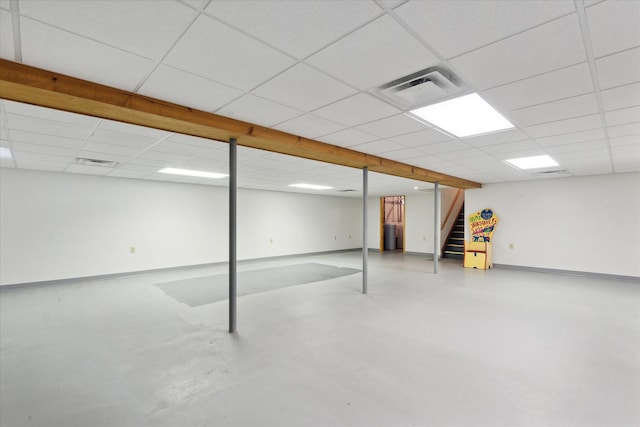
(392,224)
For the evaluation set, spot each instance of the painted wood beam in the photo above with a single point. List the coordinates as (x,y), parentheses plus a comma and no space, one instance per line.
(23,83)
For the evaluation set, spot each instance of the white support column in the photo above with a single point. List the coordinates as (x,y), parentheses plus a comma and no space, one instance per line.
(233,187)
(365,248)
(436,227)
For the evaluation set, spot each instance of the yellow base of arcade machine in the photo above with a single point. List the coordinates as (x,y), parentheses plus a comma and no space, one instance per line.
(478,255)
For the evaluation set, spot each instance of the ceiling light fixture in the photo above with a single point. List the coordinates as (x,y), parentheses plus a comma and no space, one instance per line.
(465,116)
(5,153)
(189,172)
(311,186)
(534,162)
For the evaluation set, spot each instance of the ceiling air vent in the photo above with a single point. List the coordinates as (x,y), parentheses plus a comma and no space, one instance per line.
(346,191)
(552,174)
(96,162)
(421,88)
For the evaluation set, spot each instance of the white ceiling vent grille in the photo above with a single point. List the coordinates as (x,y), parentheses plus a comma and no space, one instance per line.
(421,88)
(96,162)
(552,174)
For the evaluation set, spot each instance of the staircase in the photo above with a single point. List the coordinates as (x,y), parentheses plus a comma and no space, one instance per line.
(454,248)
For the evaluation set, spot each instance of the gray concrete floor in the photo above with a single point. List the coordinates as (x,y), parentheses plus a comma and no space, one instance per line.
(463,348)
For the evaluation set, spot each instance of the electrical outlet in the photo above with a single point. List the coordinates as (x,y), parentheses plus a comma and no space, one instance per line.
(349,235)
(271,240)
(511,246)
(424,238)
(132,249)
(335,237)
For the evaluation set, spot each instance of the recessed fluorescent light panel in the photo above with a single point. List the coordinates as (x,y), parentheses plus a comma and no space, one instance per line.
(311,186)
(465,116)
(5,153)
(535,162)
(189,172)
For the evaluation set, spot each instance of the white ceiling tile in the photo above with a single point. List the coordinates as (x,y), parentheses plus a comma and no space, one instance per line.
(112,157)
(625,115)
(423,137)
(470,153)
(179,87)
(614,26)
(565,126)
(30,156)
(404,155)
(49,114)
(577,147)
(624,130)
(67,153)
(167,158)
(173,147)
(126,173)
(138,162)
(431,162)
(356,110)
(309,126)
(205,144)
(141,27)
(377,147)
(135,142)
(567,82)
(569,138)
(496,138)
(50,140)
(7,48)
(304,88)
(619,69)
(511,147)
(625,140)
(591,169)
(88,170)
(524,55)
(444,147)
(121,150)
(292,26)
(218,52)
(47,127)
(42,166)
(385,58)
(557,110)
(621,97)
(7,163)
(584,156)
(456,27)
(393,126)
(56,50)
(117,128)
(260,111)
(347,138)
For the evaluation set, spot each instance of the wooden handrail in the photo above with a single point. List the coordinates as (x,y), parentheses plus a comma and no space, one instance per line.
(455,199)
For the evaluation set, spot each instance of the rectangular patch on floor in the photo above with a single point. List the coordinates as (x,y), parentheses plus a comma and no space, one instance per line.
(210,289)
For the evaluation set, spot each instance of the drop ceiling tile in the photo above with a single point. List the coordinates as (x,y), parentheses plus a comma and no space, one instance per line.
(260,111)
(179,87)
(124,139)
(309,126)
(50,114)
(218,52)
(205,144)
(625,115)
(167,158)
(404,155)
(46,127)
(112,157)
(121,150)
(7,48)
(42,166)
(614,26)
(564,83)
(140,162)
(304,88)
(356,110)
(393,126)
(511,147)
(565,126)
(524,55)
(591,169)
(517,153)
(496,138)
(49,140)
(557,110)
(140,27)
(423,137)
(384,59)
(456,27)
(625,140)
(471,153)
(621,97)
(126,128)
(126,173)
(432,163)
(377,147)
(585,156)
(292,26)
(53,49)
(88,170)
(444,147)
(619,69)
(69,153)
(570,138)
(624,130)
(7,163)
(206,164)
(347,138)
(172,147)
(576,147)
(22,156)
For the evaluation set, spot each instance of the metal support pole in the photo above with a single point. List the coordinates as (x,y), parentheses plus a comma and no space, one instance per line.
(233,187)
(365,248)
(436,227)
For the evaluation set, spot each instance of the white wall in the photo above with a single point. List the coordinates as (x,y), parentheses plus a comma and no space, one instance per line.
(585,224)
(57,226)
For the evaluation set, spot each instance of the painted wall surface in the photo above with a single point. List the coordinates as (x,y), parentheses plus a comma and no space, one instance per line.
(585,224)
(56,226)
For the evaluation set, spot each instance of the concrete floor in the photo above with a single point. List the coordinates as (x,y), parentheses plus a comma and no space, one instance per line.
(463,348)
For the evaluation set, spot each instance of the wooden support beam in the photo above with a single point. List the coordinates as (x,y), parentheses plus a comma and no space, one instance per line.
(23,83)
